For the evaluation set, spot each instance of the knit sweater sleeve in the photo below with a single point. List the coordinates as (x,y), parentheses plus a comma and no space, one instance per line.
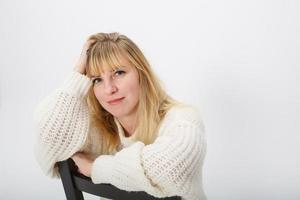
(170,166)
(62,122)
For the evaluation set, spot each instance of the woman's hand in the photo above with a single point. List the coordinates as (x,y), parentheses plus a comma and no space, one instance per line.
(83,163)
(81,64)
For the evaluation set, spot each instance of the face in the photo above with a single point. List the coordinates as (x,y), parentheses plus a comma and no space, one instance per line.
(118,91)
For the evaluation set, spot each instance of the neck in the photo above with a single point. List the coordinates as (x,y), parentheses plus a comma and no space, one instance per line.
(129,124)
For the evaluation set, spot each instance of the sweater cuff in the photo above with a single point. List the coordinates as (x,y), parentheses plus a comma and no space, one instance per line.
(77,84)
(100,167)
(122,169)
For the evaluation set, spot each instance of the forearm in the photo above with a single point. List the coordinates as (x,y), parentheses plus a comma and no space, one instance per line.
(162,168)
(62,122)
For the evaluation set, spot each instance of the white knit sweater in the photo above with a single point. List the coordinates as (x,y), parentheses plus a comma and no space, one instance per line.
(171,166)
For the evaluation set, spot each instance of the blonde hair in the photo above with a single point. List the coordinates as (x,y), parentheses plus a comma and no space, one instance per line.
(153,100)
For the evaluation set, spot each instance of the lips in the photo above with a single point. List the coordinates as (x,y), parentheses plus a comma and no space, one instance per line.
(114,101)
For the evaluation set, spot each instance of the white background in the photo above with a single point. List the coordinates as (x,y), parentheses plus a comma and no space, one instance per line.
(238,61)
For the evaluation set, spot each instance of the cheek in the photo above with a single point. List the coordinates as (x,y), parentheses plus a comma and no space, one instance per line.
(98,95)
(134,85)
(133,88)
(130,86)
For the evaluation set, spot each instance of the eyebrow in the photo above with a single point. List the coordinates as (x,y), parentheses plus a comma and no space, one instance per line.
(123,66)
(94,77)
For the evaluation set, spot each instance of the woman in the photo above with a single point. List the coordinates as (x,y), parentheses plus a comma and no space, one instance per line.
(113,118)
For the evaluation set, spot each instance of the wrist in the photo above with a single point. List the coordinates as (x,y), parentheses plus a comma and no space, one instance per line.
(79,70)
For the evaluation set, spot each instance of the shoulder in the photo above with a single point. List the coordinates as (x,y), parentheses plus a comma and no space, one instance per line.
(182,118)
(184,113)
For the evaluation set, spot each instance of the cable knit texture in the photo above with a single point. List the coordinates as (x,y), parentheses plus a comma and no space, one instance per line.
(171,166)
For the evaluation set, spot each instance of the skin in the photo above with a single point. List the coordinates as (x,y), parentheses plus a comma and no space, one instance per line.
(122,83)
(110,85)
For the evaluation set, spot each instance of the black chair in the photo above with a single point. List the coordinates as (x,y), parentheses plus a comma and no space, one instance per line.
(75,183)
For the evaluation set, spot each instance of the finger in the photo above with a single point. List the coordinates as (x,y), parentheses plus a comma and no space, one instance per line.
(89,43)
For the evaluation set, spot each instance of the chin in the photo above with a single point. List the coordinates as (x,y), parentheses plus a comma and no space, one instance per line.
(117,113)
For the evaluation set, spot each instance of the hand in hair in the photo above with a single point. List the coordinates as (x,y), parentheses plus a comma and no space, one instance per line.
(81,64)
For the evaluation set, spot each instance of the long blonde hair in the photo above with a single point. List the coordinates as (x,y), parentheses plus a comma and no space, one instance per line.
(153,100)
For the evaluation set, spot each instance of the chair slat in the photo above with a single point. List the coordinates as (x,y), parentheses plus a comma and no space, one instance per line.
(75,183)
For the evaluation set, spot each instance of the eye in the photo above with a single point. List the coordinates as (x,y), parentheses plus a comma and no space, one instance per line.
(119,72)
(96,80)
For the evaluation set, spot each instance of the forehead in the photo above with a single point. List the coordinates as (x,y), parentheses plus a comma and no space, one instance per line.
(121,62)
(100,65)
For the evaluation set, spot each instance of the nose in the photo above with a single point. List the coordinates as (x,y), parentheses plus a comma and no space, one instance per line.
(109,87)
